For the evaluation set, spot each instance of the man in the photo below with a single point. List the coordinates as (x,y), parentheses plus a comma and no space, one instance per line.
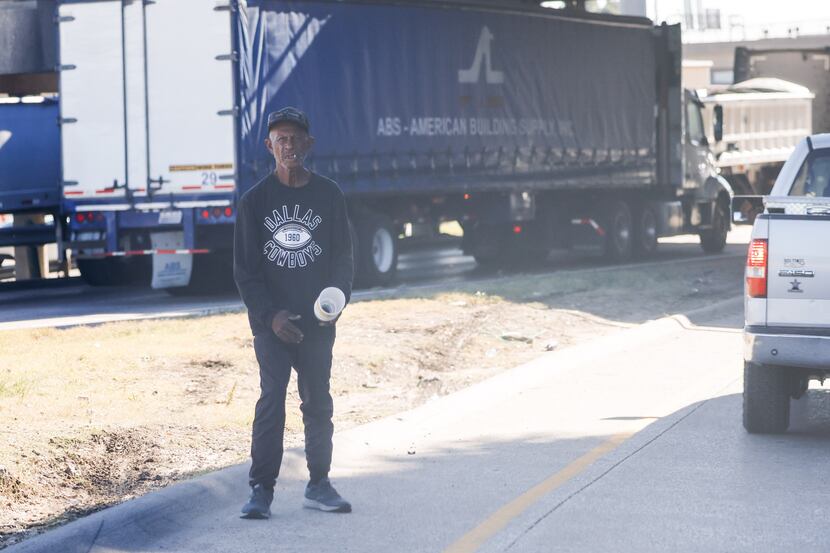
(291,241)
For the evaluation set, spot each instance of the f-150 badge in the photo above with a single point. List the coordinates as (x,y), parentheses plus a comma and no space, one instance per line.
(796,273)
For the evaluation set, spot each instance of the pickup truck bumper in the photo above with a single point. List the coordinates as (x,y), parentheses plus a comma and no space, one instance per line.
(807,351)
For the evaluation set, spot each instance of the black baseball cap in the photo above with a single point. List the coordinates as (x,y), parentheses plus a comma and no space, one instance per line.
(288,115)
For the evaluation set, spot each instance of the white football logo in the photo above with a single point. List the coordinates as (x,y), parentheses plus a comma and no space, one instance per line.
(292,237)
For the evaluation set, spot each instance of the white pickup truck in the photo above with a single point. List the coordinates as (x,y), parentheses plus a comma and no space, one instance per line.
(787,289)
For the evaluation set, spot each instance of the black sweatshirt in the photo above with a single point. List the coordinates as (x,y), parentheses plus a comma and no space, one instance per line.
(289,244)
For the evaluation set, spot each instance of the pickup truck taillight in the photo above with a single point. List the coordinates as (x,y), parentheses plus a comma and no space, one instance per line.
(756,269)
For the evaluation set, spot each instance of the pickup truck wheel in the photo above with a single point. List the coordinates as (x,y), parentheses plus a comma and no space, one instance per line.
(376,251)
(618,232)
(713,240)
(766,399)
(645,232)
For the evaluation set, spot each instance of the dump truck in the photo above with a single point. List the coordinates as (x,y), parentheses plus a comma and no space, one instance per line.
(761,121)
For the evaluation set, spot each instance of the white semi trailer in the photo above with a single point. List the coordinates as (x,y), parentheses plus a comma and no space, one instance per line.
(164,107)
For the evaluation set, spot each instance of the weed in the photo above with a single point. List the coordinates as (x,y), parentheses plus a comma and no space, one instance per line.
(15,388)
(231,394)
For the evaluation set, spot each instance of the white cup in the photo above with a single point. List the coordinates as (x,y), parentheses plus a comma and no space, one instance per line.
(329,304)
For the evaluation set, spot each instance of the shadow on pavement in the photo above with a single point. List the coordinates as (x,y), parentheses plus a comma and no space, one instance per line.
(699,482)
(691,481)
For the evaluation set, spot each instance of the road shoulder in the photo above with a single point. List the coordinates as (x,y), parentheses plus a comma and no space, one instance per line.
(556,408)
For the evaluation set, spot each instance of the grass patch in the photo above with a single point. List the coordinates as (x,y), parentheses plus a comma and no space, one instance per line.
(14,388)
(118,409)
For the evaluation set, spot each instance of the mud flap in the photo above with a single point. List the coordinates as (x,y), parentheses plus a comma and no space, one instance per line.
(170,269)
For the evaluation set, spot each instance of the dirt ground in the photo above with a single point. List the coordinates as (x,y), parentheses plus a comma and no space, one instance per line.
(96,415)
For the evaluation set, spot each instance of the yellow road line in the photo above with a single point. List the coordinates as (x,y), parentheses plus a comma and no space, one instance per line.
(475,538)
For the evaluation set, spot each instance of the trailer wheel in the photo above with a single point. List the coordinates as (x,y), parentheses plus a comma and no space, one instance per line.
(376,251)
(212,273)
(618,231)
(713,240)
(114,272)
(645,231)
(489,261)
(484,243)
(97,272)
(766,399)
(497,247)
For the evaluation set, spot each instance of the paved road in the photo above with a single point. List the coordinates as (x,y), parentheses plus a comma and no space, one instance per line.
(629,443)
(75,303)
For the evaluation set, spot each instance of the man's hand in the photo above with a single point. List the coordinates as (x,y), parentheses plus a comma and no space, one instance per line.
(285,329)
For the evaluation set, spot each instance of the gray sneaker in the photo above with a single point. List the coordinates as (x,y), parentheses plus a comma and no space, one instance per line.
(259,505)
(324,497)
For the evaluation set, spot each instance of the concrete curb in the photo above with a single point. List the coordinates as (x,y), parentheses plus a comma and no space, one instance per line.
(165,511)
(152,514)
(95,320)
(714,311)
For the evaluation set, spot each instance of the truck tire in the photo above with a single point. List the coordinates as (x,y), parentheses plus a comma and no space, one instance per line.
(96,272)
(375,251)
(498,247)
(645,231)
(766,399)
(488,261)
(740,184)
(513,257)
(618,232)
(113,272)
(212,273)
(714,240)
(486,243)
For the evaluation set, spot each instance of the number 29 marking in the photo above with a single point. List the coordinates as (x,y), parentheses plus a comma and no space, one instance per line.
(209,178)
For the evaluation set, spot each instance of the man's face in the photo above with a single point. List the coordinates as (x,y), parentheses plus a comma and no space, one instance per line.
(289,144)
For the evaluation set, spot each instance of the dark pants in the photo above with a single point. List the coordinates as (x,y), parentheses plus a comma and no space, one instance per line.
(312,361)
